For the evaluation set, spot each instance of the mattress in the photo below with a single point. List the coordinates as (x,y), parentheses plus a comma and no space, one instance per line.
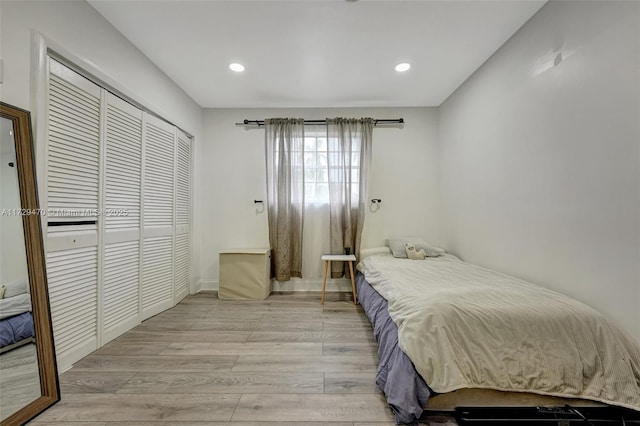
(463,326)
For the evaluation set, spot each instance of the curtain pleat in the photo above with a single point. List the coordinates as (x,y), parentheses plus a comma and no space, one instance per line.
(349,160)
(285,195)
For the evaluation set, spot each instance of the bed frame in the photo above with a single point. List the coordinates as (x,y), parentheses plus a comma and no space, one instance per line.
(17,344)
(493,398)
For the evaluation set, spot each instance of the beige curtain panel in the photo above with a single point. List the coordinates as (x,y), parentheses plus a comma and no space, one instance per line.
(349,160)
(285,195)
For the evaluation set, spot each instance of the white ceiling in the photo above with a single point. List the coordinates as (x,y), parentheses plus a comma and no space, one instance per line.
(328,53)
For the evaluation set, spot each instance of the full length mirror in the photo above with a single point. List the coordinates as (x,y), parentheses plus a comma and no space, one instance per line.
(28,374)
(19,376)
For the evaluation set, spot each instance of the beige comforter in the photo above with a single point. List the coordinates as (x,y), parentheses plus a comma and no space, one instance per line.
(464,326)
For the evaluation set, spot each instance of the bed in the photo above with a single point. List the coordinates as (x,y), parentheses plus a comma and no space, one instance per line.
(16,318)
(445,326)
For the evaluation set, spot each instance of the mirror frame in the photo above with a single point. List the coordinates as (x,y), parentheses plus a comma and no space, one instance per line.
(25,161)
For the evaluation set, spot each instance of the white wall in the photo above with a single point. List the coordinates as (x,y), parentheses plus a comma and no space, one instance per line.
(539,157)
(81,30)
(99,48)
(231,167)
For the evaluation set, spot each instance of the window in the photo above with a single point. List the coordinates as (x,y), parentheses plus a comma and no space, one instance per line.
(316,168)
(316,177)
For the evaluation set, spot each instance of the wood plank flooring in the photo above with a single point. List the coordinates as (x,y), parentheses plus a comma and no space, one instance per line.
(287,360)
(19,379)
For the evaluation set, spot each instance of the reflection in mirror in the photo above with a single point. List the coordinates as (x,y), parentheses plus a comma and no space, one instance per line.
(28,372)
(19,377)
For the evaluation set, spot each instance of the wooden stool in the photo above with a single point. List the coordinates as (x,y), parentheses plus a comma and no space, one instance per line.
(349,258)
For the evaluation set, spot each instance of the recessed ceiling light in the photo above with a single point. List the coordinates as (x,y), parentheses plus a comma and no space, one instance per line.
(236,67)
(403,67)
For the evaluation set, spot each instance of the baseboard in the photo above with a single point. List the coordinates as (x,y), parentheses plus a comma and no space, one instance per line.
(119,330)
(296,284)
(66,359)
(207,285)
(301,284)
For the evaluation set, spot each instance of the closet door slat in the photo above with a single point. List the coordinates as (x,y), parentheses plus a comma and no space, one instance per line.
(183,180)
(73,294)
(121,283)
(123,165)
(157,275)
(158,174)
(181,281)
(73,161)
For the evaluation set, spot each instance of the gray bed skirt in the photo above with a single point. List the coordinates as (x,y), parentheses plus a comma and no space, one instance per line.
(405,390)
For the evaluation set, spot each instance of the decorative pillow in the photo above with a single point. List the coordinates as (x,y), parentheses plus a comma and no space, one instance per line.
(397,246)
(413,254)
(1,292)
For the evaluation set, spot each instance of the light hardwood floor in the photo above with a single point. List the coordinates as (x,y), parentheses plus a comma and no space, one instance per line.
(19,379)
(285,360)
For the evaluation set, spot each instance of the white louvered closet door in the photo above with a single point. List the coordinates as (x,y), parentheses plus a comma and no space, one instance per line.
(73,152)
(121,218)
(157,292)
(183,207)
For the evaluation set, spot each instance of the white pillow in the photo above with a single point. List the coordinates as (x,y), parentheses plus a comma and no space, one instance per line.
(15,288)
(397,246)
(364,253)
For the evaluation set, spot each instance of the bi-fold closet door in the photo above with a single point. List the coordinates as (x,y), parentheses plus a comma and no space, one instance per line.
(157,245)
(182,215)
(73,194)
(118,198)
(122,189)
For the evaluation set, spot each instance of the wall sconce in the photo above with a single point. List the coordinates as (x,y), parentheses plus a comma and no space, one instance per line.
(375,205)
(259,206)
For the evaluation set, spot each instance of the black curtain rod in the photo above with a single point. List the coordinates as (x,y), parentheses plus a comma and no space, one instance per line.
(376,121)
